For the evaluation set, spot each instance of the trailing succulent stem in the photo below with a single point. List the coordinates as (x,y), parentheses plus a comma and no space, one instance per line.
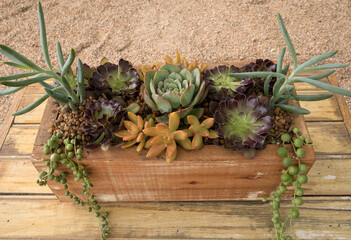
(67,154)
(65,82)
(283,89)
(294,175)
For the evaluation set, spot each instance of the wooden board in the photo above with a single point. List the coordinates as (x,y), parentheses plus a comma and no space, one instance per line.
(211,173)
(185,220)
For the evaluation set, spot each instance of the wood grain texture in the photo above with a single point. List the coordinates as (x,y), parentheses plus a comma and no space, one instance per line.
(177,220)
(9,118)
(211,173)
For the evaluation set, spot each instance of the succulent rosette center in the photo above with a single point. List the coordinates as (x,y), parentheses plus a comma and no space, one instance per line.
(242,122)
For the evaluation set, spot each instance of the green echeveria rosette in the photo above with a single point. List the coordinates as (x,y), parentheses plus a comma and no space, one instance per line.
(243,123)
(173,88)
(104,117)
(115,80)
(221,85)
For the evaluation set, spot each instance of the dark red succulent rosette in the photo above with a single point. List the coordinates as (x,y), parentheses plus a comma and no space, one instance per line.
(261,65)
(243,123)
(221,85)
(115,80)
(103,117)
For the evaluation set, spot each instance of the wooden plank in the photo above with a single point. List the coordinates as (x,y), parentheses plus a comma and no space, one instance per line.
(326,110)
(345,111)
(19,141)
(187,220)
(20,177)
(9,118)
(330,137)
(33,116)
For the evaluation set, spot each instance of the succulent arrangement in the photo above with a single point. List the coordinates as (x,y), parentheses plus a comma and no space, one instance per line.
(167,105)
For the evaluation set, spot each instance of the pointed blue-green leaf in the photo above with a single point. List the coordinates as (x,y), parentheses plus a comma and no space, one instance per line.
(187,96)
(17,76)
(185,84)
(287,40)
(17,65)
(324,86)
(170,68)
(196,78)
(324,67)
(31,106)
(172,98)
(18,58)
(61,99)
(266,85)
(148,77)
(48,86)
(24,83)
(280,60)
(80,81)
(293,109)
(68,63)
(256,75)
(60,59)
(318,97)
(201,94)
(43,38)
(186,74)
(315,60)
(160,75)
(10,90)
(162,104)
(322,75)
(286,69)
(277,86)
(148,100)
(175,76)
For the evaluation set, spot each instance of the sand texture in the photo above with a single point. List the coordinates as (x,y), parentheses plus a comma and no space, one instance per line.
(144,31)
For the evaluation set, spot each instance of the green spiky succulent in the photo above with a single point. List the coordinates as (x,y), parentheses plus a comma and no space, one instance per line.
(173,88)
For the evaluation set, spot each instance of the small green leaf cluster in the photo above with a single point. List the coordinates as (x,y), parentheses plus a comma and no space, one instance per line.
(283,89)
(65,82)
(292,175)
(67,154)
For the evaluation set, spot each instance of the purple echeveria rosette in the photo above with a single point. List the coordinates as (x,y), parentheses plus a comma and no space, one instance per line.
(243,123)
(103,117)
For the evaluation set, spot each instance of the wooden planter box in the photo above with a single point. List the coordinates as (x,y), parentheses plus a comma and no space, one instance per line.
(211,173)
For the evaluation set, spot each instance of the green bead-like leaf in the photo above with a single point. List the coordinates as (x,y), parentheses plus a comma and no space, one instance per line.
(293,109)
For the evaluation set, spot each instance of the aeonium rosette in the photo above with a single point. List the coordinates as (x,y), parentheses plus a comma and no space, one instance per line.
(103,117)
(243,123)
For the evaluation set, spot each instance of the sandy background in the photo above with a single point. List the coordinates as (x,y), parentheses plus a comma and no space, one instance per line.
(210,31)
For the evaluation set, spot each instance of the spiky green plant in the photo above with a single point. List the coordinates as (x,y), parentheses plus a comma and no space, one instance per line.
(283,89)
(63,91)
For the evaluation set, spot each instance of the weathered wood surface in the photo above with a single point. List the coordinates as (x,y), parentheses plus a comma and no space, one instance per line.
(28,211)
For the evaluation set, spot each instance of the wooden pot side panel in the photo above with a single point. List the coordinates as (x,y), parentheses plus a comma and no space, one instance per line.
(211,173)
